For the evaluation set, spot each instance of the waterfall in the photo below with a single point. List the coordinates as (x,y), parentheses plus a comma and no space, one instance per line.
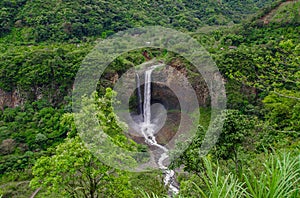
(147,97)
(147,129)
(139,95)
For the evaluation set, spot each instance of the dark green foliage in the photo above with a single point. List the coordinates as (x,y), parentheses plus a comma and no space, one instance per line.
(10,163)
(230,144)
(8,12)
(72,20)
(189,154)
(235,129)
(34,127)
(45,70)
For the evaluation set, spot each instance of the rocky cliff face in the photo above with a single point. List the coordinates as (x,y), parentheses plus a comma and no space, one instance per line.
(173,86)
(175,75)
(15,98)
(10,99)
(194,78)
(178,89)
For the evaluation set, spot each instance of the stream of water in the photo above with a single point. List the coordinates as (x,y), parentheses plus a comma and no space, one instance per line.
(147,129)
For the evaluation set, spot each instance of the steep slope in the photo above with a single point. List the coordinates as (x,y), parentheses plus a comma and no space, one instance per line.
(286,12)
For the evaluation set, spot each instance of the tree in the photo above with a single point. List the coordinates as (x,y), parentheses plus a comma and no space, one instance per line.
(282,112)
(40,139)
(73,171)
(189,154)
(236,127)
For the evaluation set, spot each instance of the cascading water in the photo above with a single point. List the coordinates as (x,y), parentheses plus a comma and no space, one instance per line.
(147,129)
(147,97)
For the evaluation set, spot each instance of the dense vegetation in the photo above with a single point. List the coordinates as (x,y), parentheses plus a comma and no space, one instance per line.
(42,46)
(32,21)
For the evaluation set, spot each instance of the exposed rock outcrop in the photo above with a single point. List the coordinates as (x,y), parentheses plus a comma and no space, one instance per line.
(10,99)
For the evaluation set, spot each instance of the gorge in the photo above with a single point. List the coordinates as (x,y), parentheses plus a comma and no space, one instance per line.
(147,130)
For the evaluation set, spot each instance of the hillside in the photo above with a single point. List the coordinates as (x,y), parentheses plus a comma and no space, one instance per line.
(254,43)
(284,13)
(71,20)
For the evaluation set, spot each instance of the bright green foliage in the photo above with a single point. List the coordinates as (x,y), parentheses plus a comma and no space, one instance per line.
(105,137)
(280,178)
(263,67)
(73,171)
(154,180)
(283,112)
(214,184)
(68,125)
(106,115)
(109,122)
(151,195)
